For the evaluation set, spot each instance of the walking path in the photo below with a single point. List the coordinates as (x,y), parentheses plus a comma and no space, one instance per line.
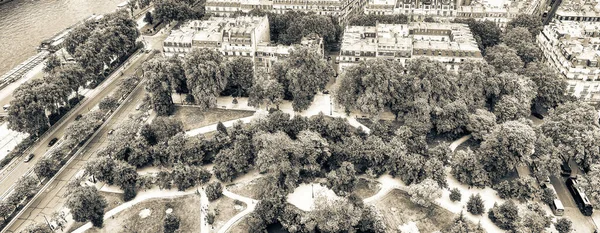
(204,228)
(250,205)
(142,196)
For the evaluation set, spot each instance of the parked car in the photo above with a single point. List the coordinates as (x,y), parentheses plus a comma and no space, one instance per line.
(28,158)
(52,141)
(78,117)
(565,169)
(110,131)
(325,92)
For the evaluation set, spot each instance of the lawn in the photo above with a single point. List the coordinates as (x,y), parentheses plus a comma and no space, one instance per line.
(241,226)
(397,209)
(224,208)
(194,117)
(187,208)
(112,199)
(247,189)
(366,188)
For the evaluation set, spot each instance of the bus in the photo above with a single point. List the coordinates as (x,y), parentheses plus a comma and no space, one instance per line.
(557,208)
(584,204)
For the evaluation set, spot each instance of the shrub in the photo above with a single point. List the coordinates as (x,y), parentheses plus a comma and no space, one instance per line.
(505,216)
(214,190)
(210,218)
(563,225)
(171,223)
(548,196)
(475,205)
(455,194)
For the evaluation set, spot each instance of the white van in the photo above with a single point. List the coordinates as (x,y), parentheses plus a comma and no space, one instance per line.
(557,208)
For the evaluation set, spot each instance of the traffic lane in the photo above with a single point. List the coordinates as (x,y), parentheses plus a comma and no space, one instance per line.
(42,145)
(55,198)
(562,192)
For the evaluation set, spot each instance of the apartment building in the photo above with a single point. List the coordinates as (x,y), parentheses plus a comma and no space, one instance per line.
(572,48)
(499,11)
(233,37)
(339,8)
(580,11)
(450,43)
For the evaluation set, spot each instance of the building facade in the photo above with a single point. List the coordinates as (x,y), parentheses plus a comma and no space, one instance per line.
(450,43)
(500,12)
(572,48)
(338,8)
(233,37)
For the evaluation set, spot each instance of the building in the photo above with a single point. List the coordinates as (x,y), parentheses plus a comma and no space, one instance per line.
(572,48)
(580,11)
(339,8)
(450,43)
(233,37)
(499,11)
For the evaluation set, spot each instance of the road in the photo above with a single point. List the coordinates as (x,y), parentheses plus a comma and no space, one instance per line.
(53,197)
(581,223)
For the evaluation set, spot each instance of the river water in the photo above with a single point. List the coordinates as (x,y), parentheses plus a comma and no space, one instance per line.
(26,23)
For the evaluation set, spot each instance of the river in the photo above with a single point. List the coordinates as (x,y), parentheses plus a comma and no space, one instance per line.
(26,23)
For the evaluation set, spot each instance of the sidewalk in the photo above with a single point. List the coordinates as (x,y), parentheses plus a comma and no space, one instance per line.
(142,196)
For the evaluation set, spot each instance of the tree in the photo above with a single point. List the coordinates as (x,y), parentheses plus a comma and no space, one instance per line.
(171,223)
(461,225)
(87,204)
(214,190)
(125,176)
(475,205)
(37,228)
(505,216)
(101,168)
(6,209)
(548,196)
(221,128)
(424,193)
(172,10)
(503,58)
(164,128)
(46,167)
(533,23)
(302,74)
(453,118)
(337,215)
(455,194)
(510,108)
(52,63)
(590,182)
(185,176)
(26,187)
(342,180)
(563,225)
(481,123)
(574,129)
(148,18)
(108,103)
(507,145)
(550,85)
(486,33)
(366,86)
(535,218)
(467,168)
(206,76)
(240,78)
(265,90)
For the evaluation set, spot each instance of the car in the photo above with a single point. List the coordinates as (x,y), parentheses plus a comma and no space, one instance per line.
(78,117)
(565,169)
(28,158)
(52,141)
(328,58)
(110,131)
(325,92)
